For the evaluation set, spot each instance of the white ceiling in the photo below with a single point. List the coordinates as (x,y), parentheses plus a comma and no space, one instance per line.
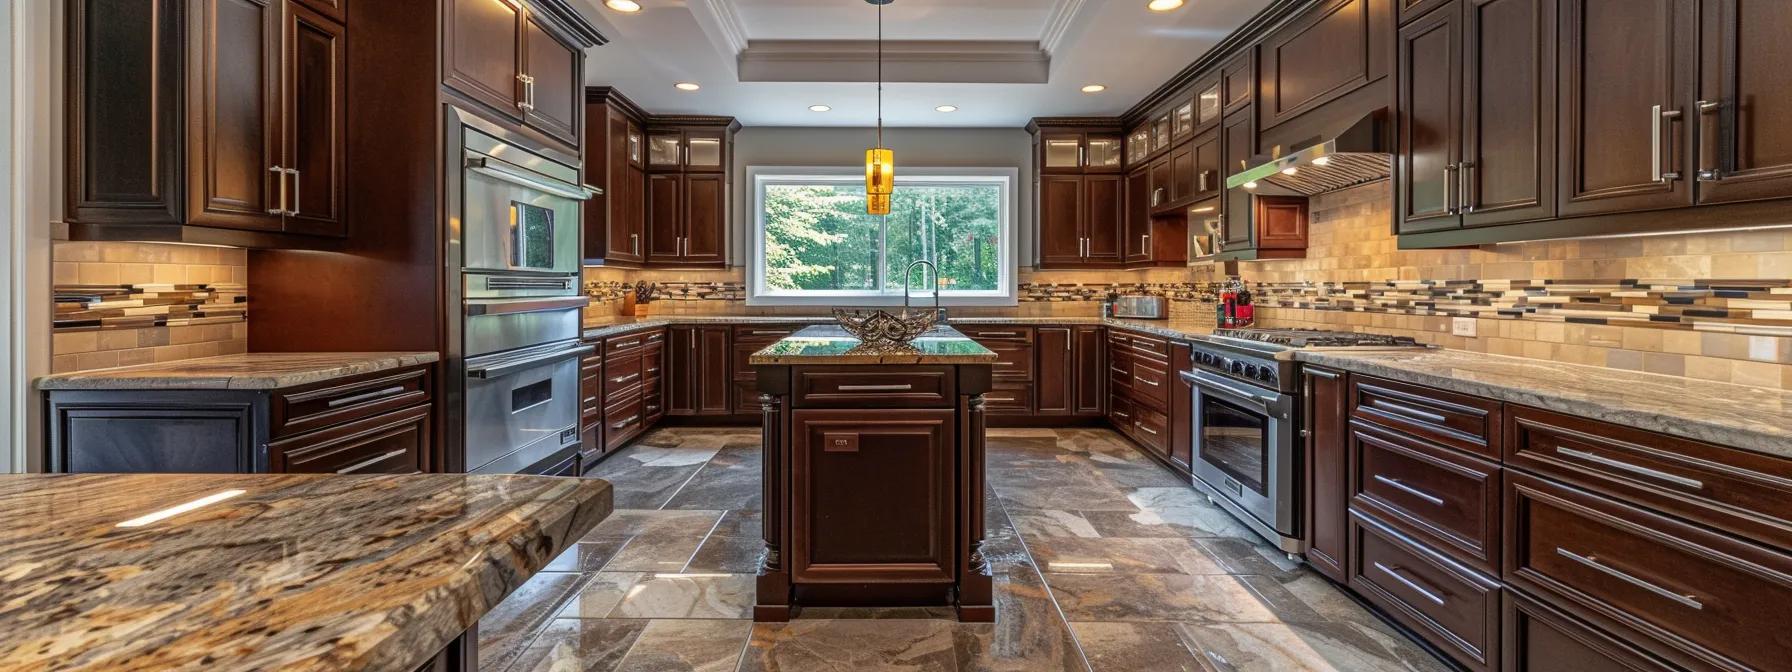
(1118,43)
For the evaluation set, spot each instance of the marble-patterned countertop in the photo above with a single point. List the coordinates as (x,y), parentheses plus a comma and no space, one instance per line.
(251,371)
(296,572)
(1174,328)
(831,344)
(1722,413)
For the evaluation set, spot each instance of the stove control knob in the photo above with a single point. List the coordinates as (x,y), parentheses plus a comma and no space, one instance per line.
(1238,367)
(1251,371)
(1267,375)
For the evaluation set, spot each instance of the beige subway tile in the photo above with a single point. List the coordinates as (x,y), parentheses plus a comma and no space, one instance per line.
(171,353)
(1682,342)
(117,339)
(99,273)
(1644,339)
(135,356)
(153,336)
(1629,360)
(170,273)
(65,273)
(74,342)
(136,274)
(1664,363)
(1709,368)
(62,364)
(88,361)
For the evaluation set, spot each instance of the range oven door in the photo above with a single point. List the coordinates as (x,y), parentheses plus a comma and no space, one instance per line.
(519,210)
(1245,450)
(522,407)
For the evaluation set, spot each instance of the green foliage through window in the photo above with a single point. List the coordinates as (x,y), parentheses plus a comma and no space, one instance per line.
(818,237)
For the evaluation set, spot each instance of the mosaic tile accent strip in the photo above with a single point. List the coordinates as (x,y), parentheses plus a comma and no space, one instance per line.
(1203,292)
(1755,307)
(139,306)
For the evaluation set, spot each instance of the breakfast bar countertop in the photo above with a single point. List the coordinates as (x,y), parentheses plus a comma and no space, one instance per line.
(265,572)
(831,344)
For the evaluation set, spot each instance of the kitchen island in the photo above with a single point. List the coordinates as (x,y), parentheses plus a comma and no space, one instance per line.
(271,572)
(873,473)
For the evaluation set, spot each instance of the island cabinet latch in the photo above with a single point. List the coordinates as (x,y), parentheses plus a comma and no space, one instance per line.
(840,442)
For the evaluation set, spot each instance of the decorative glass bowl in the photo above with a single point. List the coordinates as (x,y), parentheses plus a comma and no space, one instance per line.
(881,327)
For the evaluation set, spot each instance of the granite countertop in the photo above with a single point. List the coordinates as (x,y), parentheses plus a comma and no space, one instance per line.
(251,371)
(298,572)
(1723,413)
(830,344)
(1173,328)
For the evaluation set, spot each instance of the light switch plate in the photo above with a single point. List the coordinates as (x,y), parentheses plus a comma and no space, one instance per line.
(1463,326)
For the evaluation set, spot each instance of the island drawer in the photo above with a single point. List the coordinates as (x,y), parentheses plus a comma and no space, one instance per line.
(858,387)
(622,374)
(1451,606)
(1448,499)
(996,333)
(1007,398)
(1708,593)
(392,443)
(1455,420)
(312,407)
(1738,491)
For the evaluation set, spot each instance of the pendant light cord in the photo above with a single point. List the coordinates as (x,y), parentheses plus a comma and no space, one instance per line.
(880,75)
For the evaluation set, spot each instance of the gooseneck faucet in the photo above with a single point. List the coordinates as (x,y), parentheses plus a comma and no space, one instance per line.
(909,274)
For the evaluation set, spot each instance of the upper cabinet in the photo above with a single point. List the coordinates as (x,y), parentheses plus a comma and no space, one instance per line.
(518,63)
(1333,50)
(1743,117)
(701,149)
(1083,202)
(1072,151)
(686,218)
(216,122)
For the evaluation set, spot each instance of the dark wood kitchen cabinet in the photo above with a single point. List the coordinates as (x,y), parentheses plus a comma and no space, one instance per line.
(1181,408)
(1743,118)
(1055,374)
(215,122)
(1334,49)
(1137,226)
(1077,151)
(748,339)
(1080,220)
(697,371)
(1327,434)
(615,221)
(687,192)
(1238,138)
(1088,350)
(1477,116)
(518,63)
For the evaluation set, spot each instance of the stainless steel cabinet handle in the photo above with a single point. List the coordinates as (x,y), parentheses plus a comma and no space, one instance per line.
(1593,562)
(1450,189)
(1119,370)
(1147,430)
(525,103)
(998,333)
(279,176)
(1321,373)
(1639,470)
(365,396)
(1082,156)
(624,379)
(626,344)
(1421,494)
(1202,177)
(769,332)
(297,200)
(1006,399)
(363,464)
(1708,116)
(1148,381)
(876,388)
(1465,186)
(631,420)
(1400,409)
(1658,115)
(635,241)
(1118,414)
(1145,244)
(1409,583)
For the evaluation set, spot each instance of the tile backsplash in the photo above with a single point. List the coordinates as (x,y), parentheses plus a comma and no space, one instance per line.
(119,304)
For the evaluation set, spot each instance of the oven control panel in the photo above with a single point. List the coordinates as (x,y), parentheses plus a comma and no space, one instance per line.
(1238,367)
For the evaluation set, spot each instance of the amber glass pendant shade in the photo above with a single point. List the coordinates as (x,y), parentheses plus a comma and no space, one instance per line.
(880,171)
(877,204)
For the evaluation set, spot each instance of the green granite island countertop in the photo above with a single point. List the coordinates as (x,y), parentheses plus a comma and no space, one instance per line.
(268,572)
(832,345)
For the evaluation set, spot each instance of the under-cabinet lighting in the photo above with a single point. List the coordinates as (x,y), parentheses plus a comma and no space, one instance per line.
(1204,208)
(624,6)
(686,86)
(178,509)
(1163,5)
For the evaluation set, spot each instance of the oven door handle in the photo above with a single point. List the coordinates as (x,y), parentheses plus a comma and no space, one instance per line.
(1269,404)
(520,177)
(525,305)
(507,367)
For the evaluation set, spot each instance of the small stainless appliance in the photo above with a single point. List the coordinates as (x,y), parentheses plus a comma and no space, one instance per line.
(1142,307)
(1246,411)
(515,215)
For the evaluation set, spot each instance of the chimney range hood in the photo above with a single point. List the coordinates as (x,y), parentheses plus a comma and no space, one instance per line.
(1363,153)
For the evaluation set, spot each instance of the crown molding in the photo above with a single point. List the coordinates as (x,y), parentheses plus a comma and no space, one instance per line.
(609,95)
(929,61)
(1057,27)
(722,25)
(1278,12)
(570,21)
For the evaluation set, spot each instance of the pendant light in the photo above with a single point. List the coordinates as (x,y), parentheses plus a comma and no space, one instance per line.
(880,162)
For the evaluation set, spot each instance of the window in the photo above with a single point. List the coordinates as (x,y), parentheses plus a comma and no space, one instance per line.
(813,244)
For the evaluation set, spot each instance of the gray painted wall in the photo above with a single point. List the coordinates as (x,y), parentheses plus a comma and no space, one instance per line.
(921,147)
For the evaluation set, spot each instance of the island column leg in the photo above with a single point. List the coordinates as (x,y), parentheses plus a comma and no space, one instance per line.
(975,592)
(772,586)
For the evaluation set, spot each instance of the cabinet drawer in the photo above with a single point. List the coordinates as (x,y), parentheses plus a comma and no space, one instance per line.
(623,420)
(1151,381)
(591,393)
(653,361)
(314,407)
(764,333)
(1738,491)
(1705,592)
(1540,638)
(855,387)
(746,398)
(997,333)
(1013,361)
(653,401)
(617,345)
(1119,340)
(1120,413)
(1007,398)
(1440,496)
(622,374)
(1451,606)
(393,443)
(1454,420)
(1152,429)
(591,366)
(1120,367)
(1157,348)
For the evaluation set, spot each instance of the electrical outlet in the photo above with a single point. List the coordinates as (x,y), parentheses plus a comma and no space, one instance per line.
(1463,326)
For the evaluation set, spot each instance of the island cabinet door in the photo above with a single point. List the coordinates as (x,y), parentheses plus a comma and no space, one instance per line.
(872,495)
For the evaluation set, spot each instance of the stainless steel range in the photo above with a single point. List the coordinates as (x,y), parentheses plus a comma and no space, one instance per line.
(514,280)
(1246,412)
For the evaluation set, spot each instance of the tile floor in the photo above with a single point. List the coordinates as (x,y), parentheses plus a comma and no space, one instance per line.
(1104,561)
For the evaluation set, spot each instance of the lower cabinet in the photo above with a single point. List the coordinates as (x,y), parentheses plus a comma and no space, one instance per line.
(1540,638)
(1328,461)
(1450,605)
(878,491)
(698,371)
(1147,400)
(623,392)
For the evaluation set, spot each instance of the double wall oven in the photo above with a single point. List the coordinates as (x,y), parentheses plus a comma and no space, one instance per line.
(514,281)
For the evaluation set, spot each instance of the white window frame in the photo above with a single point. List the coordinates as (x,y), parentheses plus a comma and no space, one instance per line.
(1005,293)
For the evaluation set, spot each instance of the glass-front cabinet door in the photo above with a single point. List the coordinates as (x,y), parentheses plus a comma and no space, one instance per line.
(665,149)
(1160,133)
(1208,105)
(634,145)
(704,151)
(1104,153)
(1061,152)
(1185,121)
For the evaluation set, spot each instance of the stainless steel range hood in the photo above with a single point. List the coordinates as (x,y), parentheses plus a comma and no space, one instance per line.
(1363,153)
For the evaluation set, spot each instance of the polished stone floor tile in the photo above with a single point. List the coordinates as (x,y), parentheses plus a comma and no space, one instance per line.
(688,595)
(589,555)
(730,481)
(726,553)
(577,644)
(599,596)
(1050,523)
(1279,647)
(655,553)
(1130,647)
(741,523)
(508,627)
(852,645)
(1028,633)
(688,646)
(636,522)
(1118,555)
(1169,597)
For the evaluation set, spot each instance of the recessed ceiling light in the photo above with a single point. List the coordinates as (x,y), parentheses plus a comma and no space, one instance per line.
(686,86)
(1095,88)
(946,108)
(1163,5)
(624,6)
(819,108)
